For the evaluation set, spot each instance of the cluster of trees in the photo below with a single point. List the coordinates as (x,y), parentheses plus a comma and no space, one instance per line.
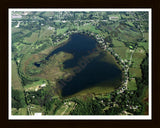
(31,25)
(89,107)
(124,101)
(144,67)
(14,24)
(42,97)
(114,111)
(142,83)
(102,25)
(108,39)
(18,99)
(58,103)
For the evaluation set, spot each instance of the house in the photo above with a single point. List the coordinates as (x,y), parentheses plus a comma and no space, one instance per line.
(16,16)
(113,18)
(37,114)
(43,85)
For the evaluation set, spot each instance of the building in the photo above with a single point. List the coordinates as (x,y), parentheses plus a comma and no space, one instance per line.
(113,18)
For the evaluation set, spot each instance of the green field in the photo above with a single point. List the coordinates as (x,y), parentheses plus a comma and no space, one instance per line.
(146,36)
(45,33)
(123,52)
(62,30)
(51,111)
(16,81)
(117,43)
(34,85)
(130,23)
(36,109)
(132,84)
(65,109)
(144,45)
(47,14)
(32,39)
(20,111)
(89,28)
(138,56)
(135,72)
(126,34)
(120,48)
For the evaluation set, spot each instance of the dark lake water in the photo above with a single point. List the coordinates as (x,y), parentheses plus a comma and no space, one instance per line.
(95,72)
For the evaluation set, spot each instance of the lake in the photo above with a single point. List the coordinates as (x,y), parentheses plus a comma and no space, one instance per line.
(101,68)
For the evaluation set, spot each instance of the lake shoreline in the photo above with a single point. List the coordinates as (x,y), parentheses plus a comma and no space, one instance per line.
(115,62)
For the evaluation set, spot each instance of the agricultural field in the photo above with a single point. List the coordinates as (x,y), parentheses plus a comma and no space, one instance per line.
(36,109)
(88,27)
(65,109)
(144,45)
(45,32)
(123,52)
(21,111)
(138,56)
(117,43)
(61,31)
(32,39)
(16,81)
(130,23)
(120,48)
(132,84)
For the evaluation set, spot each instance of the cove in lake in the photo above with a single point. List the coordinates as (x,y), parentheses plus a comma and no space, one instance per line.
(99,70)
(78,45)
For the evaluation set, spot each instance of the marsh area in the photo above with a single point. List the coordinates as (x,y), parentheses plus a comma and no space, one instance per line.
(97,68)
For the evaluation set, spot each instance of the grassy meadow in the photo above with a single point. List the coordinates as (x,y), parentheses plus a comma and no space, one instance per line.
(16,81)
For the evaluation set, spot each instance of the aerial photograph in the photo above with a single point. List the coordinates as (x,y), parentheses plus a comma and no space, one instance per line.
(79,62)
